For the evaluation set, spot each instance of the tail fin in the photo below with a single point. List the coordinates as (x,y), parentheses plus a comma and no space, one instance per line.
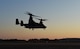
(17,21)
(21,23)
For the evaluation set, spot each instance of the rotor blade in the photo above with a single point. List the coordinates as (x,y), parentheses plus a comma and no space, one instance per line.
(28,13)
(31,14)
(42,19)
(36,16)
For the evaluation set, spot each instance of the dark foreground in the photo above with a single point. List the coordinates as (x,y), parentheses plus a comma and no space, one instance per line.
(39,45)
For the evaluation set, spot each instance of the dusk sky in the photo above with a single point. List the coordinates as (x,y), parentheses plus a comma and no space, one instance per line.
(63,18)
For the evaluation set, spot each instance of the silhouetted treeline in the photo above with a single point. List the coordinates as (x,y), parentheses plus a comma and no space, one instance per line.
(38,40)
(43,40)
(12,41)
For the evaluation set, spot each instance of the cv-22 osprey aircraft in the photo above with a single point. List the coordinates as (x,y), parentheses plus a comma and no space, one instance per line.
(31,23)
